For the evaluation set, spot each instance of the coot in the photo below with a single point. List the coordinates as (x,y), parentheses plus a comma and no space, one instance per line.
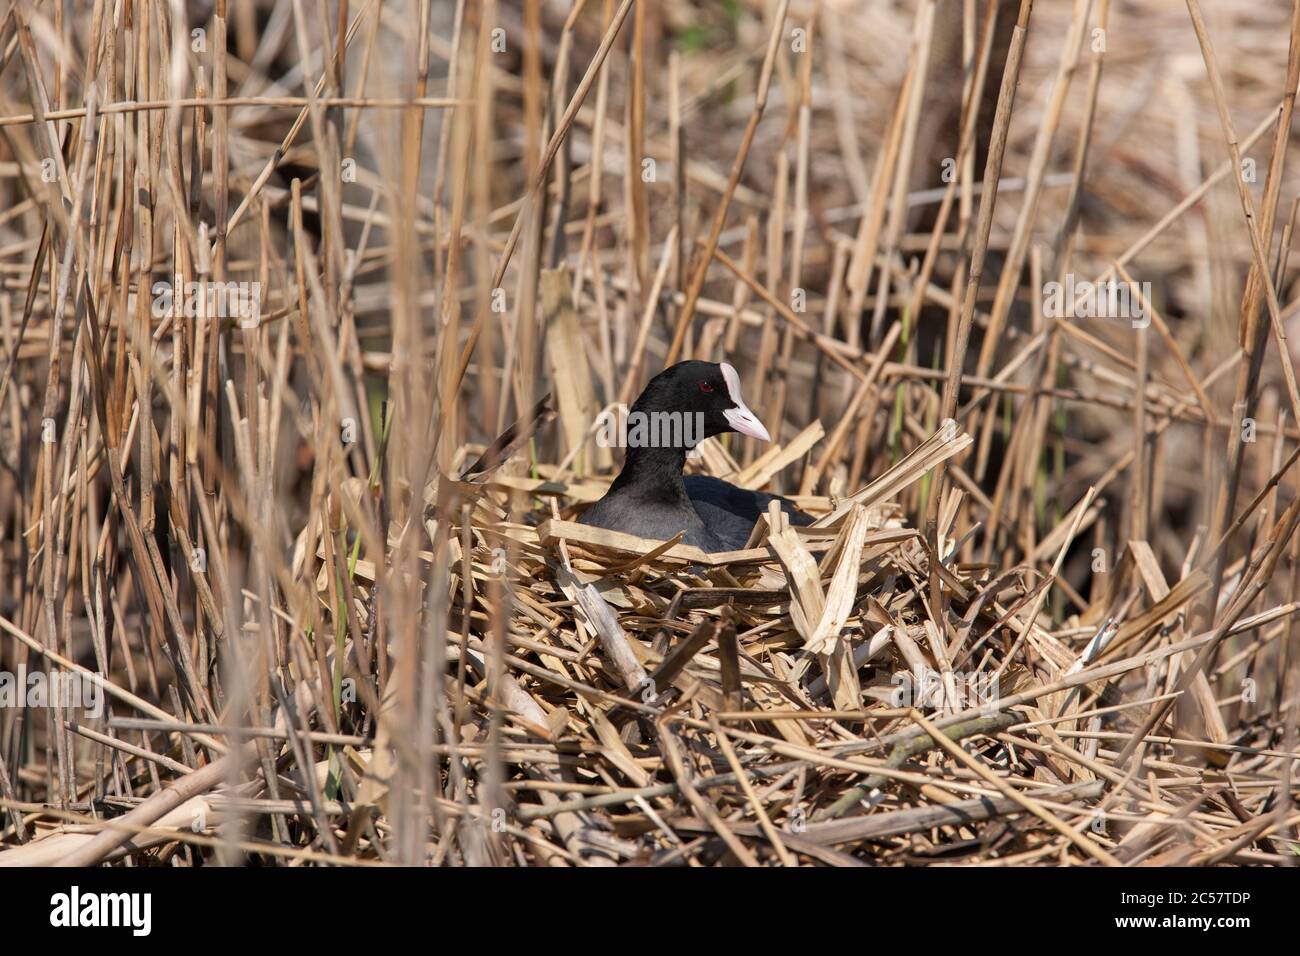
(680,407)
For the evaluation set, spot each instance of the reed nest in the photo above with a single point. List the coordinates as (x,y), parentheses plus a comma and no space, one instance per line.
(312,315)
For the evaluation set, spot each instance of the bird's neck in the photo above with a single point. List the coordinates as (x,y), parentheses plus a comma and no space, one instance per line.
(653,468)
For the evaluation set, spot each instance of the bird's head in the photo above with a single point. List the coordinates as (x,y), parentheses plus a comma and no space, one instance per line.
(709,393)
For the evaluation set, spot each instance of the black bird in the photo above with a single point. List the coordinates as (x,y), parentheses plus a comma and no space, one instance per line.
(680,407)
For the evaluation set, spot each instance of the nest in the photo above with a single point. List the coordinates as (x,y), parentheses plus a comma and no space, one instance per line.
(798,701)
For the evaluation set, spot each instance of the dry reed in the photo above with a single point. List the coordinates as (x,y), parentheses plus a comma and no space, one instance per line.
(308,318)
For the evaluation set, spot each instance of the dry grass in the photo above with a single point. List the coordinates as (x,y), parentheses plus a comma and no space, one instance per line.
(319,556)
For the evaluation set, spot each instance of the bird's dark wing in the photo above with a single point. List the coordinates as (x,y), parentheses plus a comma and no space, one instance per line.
(730,512)
(631,514)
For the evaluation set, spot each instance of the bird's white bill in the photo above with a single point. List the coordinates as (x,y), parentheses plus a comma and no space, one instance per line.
(744,421)
(741,418)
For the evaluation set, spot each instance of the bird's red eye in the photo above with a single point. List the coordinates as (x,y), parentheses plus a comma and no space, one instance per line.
(706,387)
